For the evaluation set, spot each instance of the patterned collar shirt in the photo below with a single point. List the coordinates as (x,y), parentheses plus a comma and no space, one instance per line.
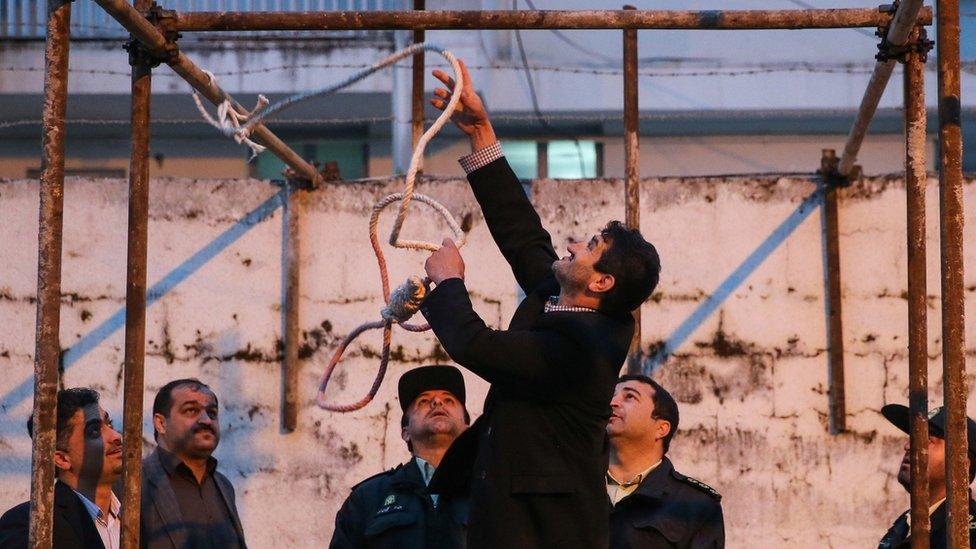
(109,526)
(619,490)
(553,306)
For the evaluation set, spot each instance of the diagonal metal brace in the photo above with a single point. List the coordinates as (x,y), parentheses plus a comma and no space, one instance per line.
(165,21)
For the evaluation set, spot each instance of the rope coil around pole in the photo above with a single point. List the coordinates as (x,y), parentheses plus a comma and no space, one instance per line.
(405,300)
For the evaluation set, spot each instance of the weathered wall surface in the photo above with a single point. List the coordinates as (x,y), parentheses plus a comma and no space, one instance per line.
(750,379)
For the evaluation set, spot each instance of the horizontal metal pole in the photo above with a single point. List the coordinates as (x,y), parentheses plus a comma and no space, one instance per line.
(909,13)
(155,42)
(518,19)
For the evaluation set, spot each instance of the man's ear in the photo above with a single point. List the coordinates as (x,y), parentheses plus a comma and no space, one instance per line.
(663,429)
(601,284)
(159,422)
(404,435)
(62,461)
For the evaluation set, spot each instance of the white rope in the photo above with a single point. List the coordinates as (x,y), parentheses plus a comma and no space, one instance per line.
(239,126)
(228,117)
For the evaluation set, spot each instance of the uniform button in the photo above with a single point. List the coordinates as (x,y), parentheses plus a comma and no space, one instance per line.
(482,475)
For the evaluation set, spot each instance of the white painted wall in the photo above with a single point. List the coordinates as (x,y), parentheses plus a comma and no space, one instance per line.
(750,381)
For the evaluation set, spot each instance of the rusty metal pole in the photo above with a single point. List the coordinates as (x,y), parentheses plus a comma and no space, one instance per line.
(836,392)
(533,19)
(915,183)
(417,117)
(953,312)
(135,293)
(632,168)
(50,222)
(292,249)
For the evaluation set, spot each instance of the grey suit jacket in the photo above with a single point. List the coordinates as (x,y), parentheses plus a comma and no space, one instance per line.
(161,518)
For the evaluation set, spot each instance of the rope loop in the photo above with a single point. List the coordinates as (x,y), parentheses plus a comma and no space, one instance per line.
(233,121)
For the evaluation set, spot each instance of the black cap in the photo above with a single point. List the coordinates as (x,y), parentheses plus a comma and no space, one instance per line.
(430,378)
(899,416)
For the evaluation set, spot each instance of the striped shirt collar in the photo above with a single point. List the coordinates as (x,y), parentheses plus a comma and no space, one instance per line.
(553,306)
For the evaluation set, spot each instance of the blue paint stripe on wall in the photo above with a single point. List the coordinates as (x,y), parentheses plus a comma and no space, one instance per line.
(733,281)
(172,279)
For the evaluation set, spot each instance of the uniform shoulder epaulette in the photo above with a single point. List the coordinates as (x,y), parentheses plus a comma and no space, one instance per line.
(389,471)
(699,485)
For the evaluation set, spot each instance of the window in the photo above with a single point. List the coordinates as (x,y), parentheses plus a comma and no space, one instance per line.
(564,159)
(967,30)
(352,156)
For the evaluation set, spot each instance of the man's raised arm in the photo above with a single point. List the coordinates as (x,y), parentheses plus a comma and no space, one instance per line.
(511,219)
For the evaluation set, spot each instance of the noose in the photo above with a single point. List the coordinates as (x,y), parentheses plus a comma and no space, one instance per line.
(404,302)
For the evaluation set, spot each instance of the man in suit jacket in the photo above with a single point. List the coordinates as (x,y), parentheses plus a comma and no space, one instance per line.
(186,502)
(535,461)
(88,460)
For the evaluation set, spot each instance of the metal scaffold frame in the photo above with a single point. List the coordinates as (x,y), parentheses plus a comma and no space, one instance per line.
(154,33)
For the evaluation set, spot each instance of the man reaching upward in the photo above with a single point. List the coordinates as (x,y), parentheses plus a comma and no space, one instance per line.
(535,461)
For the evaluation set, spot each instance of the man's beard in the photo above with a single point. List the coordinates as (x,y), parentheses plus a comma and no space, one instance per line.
(567,282)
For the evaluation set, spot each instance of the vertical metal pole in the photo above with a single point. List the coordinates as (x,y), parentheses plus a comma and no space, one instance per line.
(836,393)
(135,295)
(50,222)
(418,86)
(291,248)
(915,182)
(953,313)
(632,169)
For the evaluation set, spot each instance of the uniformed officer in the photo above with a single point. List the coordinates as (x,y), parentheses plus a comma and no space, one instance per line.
(394,509)
(899,535)
(652,504)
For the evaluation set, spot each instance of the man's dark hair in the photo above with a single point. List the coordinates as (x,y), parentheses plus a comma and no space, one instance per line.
(665,407)
(404,419)
(163,402)
(634,264)
(69,402)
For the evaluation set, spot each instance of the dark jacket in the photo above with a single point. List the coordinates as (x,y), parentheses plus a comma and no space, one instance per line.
(394,510)
(73,526)
(535,460)
(668,510)
(898,537)
(160,517)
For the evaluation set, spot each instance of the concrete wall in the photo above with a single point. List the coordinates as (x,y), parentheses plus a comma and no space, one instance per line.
(750,378)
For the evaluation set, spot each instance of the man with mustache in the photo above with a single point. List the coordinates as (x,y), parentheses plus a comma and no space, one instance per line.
(653,505)
(899,535)
(394,509)
(535,462)
(186,502)
(88,460)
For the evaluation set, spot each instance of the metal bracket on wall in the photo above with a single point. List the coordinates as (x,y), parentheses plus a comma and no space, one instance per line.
(829,161)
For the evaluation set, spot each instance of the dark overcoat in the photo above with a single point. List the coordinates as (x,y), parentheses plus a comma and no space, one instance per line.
(668,510)
(393,510)
(535,460)
(73,526)
(897,537)
(160,517)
